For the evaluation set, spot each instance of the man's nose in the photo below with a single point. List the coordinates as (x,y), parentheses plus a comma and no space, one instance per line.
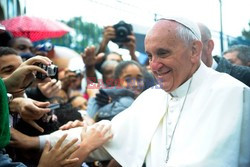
(155,64)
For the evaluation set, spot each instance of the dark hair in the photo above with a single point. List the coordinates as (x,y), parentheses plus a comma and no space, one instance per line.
(122,65)
(5,38)
(67,113)
(7,51)
(243,52)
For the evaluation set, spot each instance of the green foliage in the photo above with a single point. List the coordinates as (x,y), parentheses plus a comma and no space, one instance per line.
(246,33)
(85,34)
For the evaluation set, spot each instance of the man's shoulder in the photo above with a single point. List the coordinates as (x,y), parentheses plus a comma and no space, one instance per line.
(241,73)
(226,81)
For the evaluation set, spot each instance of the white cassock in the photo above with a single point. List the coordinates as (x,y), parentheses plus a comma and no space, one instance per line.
(213,128)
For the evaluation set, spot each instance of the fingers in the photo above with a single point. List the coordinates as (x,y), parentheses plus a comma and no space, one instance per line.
(49,89)
(69,148)
(100,57)
(60,141)
(31,68)
(41,104)
(104,128)
(35,125)
(77,123)
(38,59)
(70,161)
(46,147)
(66,126)
(35,112)
(71,124)
(109,32)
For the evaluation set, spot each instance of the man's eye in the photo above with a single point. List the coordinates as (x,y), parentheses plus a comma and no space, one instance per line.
(149,57)
(163,53)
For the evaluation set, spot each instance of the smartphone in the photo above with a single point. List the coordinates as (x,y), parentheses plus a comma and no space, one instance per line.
(54,106)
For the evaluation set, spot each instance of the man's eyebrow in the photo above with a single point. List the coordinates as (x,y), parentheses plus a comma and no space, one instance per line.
(163,50)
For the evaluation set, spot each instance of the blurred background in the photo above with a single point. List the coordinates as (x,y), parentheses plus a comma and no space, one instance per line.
(228,20)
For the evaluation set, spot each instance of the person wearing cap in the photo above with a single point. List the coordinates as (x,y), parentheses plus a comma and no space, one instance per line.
(195,117)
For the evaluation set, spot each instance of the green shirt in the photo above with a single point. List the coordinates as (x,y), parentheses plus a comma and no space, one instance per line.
(4,116)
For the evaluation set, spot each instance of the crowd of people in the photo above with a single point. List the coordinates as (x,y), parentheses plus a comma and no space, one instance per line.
(188,107)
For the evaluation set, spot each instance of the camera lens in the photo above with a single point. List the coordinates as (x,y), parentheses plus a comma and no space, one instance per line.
(52,70)
(122,32)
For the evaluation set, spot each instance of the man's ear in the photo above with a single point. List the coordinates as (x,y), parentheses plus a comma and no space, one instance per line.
(196,51)
(210,46)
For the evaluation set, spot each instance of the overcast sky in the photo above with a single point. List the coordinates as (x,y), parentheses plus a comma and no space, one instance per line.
(236,14)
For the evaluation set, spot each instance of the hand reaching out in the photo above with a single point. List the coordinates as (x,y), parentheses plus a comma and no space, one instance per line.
(58,156)
(96,135)
(72,124)
(29,110)
(88,56)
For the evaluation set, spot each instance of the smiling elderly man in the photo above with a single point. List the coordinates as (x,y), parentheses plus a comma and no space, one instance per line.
(196,118)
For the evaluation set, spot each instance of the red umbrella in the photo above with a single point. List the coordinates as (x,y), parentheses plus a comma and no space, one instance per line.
(35,28)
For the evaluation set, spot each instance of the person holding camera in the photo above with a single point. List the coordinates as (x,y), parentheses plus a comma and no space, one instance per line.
(43,91)
(16,82)
(122,35)
(28,108)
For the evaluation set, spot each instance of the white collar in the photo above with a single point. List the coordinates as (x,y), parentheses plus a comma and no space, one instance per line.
(198,77)
(181,90)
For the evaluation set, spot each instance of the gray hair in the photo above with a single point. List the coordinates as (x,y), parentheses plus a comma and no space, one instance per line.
(185,34)
(187,30)
(243,52)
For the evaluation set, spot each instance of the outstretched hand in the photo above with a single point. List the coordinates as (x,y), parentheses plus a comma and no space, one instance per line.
(96,135)
(58,156)
(29,110)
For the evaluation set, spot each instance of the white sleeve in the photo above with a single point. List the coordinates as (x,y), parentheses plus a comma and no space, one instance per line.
(98,154)
(72,134)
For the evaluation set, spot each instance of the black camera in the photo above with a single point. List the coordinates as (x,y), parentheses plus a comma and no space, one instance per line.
(52,71)
(122,30)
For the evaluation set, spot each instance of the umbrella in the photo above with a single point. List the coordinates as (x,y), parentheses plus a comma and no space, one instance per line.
(35,28)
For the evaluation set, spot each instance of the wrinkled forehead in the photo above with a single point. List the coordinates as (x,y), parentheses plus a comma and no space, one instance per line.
(162,26)
(162,30)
